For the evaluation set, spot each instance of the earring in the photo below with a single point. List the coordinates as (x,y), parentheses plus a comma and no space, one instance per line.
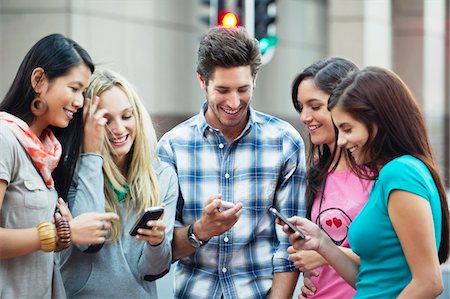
(38,106)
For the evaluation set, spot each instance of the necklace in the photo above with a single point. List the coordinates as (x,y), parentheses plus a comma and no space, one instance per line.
(321,201)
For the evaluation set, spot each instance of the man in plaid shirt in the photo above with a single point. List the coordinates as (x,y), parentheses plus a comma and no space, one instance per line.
(230,153)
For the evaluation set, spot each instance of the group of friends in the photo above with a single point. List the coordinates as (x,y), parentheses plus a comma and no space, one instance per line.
(81,162)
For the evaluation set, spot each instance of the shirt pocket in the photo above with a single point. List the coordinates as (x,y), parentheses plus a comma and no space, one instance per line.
(36,195)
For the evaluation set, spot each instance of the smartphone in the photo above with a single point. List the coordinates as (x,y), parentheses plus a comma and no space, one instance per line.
(152,213)
(293,228)
(225,205)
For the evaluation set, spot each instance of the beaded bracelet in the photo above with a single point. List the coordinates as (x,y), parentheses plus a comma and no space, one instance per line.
(47,236)
(63,233)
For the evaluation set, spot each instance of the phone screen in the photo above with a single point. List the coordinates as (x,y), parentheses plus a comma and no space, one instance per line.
(292,227)
(152,213)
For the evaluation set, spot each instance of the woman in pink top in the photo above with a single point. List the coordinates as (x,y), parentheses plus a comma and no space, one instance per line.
(334,194)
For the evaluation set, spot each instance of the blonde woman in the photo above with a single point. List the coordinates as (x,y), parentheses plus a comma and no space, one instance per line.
(133,180)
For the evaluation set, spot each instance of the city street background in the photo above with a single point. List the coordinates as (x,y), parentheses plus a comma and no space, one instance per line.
(154,42)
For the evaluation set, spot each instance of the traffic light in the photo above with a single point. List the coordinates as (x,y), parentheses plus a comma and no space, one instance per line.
(226,13)
(265,27)
(257,16)
(228,19)
(208,12)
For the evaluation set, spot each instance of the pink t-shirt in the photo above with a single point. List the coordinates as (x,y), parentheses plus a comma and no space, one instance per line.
(344,197)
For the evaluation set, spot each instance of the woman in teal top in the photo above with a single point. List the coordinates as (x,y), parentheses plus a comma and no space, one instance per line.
(402,234)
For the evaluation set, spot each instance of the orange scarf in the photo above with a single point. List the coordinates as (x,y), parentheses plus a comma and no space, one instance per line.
(45,154)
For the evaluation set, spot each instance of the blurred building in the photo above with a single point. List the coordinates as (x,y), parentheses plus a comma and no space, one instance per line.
(154,42)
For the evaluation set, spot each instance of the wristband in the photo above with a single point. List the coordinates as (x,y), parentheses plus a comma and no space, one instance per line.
(192,238)
(63,234)
(47,236)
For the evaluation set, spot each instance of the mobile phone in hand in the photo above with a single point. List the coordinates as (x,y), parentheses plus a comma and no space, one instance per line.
(225,205)
(292,227)
(152,213)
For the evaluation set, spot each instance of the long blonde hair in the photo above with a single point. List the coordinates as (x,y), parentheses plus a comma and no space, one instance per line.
(140,175)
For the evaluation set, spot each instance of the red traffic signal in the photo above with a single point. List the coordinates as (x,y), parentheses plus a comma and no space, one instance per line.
(228,19)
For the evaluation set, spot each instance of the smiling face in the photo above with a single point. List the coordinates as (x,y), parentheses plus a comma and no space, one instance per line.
(63,96)
(228,93)
(314,113)
(121,123)
(353,135)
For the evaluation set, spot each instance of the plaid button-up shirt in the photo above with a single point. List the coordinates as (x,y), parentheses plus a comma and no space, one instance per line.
(263,167)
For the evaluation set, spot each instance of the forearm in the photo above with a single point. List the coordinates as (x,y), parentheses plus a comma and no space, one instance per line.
(283,284)
(349,252)
(422,288)
(18,242)
(318,260)
(88,194)
(180,244)
(155,259)
(181,247)
(346,267)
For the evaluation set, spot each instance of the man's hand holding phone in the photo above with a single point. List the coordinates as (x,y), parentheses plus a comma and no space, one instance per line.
(218,217)
(225,205)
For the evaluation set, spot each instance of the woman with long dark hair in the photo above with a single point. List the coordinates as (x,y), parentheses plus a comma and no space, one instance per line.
(41,127)
(402,233)
(334,193)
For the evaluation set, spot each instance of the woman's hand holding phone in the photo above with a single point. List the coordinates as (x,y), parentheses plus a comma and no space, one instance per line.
(282,220)
(315,238)
(150,227)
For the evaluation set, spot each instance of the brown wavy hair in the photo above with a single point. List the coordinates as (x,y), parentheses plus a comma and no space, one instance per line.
(378,96)
(227,47)
(326,74)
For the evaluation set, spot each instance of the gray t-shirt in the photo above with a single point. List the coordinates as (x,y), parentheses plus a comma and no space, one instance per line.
(26,203)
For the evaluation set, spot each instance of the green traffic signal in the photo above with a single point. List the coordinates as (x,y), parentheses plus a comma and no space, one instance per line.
(267,42)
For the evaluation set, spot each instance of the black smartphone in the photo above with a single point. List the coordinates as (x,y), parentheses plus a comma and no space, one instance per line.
(152,213)
(293,228)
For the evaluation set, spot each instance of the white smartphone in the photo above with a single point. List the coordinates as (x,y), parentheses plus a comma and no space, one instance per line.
(225,205)
(292,227)
(152,213)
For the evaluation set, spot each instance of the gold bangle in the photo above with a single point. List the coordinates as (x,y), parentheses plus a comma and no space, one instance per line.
(47,236)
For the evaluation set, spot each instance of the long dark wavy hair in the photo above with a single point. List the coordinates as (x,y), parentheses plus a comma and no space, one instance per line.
(376,96)
(57,55)
(326,74)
